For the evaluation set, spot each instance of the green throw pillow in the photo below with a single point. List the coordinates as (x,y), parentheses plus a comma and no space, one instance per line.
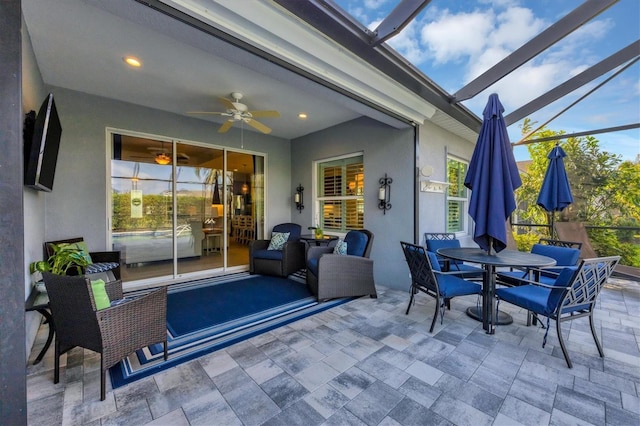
(277,240)
(81,246)
(100,294)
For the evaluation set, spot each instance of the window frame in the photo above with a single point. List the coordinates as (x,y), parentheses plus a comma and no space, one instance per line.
(317,199)
(463,200)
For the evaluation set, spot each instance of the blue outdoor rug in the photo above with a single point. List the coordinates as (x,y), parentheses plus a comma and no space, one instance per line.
(208,315)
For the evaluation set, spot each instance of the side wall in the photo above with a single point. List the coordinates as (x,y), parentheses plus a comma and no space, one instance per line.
(435,143)
(77,206)
(33,93)
(386,150)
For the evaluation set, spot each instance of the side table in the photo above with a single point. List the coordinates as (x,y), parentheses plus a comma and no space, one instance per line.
(39,301)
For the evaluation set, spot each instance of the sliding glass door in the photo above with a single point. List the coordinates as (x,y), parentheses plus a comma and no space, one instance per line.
(183,209)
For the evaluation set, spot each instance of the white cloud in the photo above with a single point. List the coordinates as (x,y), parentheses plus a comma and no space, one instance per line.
(374,4)
(453,37)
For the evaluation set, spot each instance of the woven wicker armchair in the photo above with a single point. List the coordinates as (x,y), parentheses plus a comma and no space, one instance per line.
(283,262)
(341,275)
(114,332)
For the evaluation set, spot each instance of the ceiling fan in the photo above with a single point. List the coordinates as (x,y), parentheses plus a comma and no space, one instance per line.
(237,111)
(163,157)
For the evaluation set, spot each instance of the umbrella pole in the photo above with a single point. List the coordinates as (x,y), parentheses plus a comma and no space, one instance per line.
(490,245)
(551,231)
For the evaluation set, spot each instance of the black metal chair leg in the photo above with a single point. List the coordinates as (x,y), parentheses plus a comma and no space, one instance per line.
(413,292)
(435,315)
(595,336)
(562,346)
(56,362)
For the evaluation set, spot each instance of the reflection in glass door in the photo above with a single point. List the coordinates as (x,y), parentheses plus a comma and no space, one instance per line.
(176,212)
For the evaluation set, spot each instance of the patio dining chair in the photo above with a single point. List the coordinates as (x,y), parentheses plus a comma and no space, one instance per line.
(562,252)
(573,295)
(427,277)
(437,240)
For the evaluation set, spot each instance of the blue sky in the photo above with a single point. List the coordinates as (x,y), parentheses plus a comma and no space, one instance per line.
(453,42)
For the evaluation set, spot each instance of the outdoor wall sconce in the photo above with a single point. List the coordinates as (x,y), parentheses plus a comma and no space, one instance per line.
(299,198)
(384,194)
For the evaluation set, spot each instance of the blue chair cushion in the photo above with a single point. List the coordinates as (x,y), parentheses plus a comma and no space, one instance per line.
(356,243)
(312,265)
(564,256)
(268,254)
(292,228)
(450,285)
(435,245)
(540,300)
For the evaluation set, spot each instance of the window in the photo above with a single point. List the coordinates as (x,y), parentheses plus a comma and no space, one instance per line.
(456,195)
(340,194)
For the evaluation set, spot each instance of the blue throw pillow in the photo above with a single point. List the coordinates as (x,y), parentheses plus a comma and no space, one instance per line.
(340,248)
(277,240)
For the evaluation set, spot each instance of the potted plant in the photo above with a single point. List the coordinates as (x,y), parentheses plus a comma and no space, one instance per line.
(64,258)
(317,231)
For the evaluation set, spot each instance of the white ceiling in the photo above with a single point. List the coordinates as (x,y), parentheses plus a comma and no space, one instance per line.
(79,45)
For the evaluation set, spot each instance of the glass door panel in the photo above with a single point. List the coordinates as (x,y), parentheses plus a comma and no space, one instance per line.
(180,209)
(245,204)
(142,220)
(200,228)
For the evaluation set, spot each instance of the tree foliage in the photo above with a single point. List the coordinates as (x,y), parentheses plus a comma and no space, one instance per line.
(605,189)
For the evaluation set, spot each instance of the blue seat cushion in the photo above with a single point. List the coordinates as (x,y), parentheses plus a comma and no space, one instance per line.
(541,300)
(292,228)
(356,243)
(312,265)
(268,254)
(452,286)
(564,256)
(435,245)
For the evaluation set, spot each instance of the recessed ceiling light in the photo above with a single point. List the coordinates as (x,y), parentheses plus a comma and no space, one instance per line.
(132,61)
(302,116)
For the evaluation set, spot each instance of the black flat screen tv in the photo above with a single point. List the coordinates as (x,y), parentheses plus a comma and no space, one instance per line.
(41,144)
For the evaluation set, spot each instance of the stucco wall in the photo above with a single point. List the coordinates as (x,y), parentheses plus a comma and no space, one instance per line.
(78,204)
(386,150)
(435,144)
(33,93)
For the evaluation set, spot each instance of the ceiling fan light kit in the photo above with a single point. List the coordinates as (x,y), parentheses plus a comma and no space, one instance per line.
(237,111)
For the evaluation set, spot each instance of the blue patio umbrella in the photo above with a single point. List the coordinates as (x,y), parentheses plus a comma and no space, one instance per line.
(492,178)
(555,192)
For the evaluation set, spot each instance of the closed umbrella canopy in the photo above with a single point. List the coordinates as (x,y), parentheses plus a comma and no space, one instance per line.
(492,178)
(555,193)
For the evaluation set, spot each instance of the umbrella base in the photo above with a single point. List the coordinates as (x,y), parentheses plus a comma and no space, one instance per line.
(476,313)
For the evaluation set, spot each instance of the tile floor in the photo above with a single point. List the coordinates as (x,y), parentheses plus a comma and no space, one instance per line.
(367,363)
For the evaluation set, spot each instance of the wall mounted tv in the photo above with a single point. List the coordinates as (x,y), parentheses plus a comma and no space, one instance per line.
(41,143)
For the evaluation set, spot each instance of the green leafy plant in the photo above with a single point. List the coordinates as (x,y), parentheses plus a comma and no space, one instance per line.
(63,259)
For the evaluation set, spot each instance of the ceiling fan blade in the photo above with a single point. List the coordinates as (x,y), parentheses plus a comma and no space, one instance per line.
(227,103)
(225,126)
(257,125)
(265,114)
(208,112)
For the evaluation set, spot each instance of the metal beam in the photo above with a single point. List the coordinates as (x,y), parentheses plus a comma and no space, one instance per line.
(606,65)
(327,18)
(565,26)
(399,18)
(578,134)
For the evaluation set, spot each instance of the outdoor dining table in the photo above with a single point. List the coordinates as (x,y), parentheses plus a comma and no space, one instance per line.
(505,258)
